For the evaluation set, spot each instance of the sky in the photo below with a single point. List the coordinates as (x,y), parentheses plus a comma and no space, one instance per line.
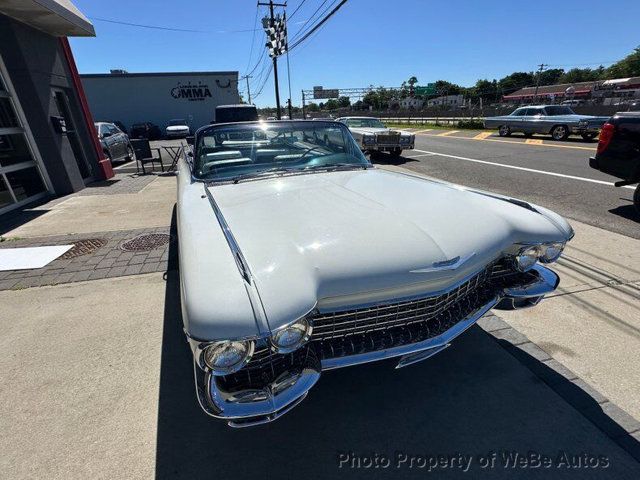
(366,42)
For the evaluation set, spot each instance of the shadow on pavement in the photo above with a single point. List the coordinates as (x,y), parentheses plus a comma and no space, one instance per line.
(11,221)
(626,211)
(472,399)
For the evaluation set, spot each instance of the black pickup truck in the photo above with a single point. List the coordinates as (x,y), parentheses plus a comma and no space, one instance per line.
(618,151)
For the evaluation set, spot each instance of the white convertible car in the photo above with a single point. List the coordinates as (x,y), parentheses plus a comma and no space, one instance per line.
(298,256)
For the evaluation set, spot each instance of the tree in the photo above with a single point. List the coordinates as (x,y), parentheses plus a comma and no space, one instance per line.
(516,81)
(332,104)
(344,102)
(580,75)
(313,107)
(629,66)
(551,76)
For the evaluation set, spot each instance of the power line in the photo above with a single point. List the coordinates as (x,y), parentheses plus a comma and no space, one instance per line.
(318,25)
(172,29)
(297,8)
(308,20)
(253,38)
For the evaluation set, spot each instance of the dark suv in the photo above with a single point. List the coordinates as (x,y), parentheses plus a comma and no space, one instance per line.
(618,151)
(115,143)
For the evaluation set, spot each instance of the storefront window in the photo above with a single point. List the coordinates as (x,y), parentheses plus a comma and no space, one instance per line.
(25,183)
(20,178)
(5,195)
(7,115)
(14,149)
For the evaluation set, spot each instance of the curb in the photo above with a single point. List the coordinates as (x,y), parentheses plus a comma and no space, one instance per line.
(614,422)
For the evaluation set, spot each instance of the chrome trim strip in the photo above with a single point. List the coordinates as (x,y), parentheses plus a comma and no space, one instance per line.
(233,244)
(445,265)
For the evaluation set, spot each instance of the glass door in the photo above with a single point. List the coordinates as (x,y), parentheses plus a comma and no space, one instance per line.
(20,177)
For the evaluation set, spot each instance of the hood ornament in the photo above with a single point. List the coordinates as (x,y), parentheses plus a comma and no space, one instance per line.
(443,265)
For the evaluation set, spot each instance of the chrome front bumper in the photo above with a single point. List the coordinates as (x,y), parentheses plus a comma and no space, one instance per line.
(258,406)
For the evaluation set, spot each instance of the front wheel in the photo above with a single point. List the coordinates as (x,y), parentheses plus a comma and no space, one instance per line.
(636,199)
(589,136)
(504,131)
(560,132)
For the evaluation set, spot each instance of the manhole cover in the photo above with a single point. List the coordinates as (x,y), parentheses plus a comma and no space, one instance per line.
(143,243)
(84,247)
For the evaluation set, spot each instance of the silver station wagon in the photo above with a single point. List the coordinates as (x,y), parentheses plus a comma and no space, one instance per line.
(298,256)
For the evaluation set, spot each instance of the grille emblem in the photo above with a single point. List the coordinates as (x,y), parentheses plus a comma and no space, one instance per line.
(450,264)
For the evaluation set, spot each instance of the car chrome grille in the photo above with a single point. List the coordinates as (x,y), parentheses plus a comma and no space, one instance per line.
(391,138)
(371,328)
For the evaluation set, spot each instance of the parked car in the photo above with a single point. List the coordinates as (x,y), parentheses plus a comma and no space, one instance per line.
(115,143)
(147,130)
(177,128)
(299,256)
(373,136)
(618,152)
(236,113)
(557,120)
(118,124)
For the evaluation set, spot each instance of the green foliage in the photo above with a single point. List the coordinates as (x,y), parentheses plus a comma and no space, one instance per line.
(629,66)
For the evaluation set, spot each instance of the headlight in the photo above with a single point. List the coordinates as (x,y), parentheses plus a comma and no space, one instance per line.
(527,258)
(405,139)
(292,336)
(227,356)
(546,253)
(551,252)
(368,139)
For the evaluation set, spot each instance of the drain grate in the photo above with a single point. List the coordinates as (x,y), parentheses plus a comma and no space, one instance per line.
(84,247)
(145,242)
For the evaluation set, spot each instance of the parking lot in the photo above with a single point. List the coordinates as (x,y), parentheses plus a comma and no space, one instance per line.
(98,379)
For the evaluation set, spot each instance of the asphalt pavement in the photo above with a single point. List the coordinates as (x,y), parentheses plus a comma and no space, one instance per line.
(552,174)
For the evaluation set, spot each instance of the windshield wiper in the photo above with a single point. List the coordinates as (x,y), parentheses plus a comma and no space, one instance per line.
(338,166)
(261,173)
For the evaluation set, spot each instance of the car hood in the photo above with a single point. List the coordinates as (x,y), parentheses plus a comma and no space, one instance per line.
(373,131)
(333,239)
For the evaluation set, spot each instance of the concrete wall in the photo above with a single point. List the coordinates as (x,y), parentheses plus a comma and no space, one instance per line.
(158,98)
(37,66)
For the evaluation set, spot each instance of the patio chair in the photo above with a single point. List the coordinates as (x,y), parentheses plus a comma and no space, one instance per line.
(144,154)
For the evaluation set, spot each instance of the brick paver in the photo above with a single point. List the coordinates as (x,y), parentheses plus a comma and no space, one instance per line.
(106,262)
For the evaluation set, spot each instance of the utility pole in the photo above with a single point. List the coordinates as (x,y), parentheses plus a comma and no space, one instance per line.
(247,77)
(275,57)
(540,70)
(304,107)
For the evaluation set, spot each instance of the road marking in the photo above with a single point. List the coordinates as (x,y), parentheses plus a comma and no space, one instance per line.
(124,165)
(482,135)
(422,155)
(591,149)
(446,134)
(425,130)
(533,141)
(514,167)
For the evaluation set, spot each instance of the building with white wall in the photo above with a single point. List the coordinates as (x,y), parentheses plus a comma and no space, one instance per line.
(159,97)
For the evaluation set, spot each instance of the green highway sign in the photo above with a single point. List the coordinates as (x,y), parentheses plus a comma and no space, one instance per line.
(429,89)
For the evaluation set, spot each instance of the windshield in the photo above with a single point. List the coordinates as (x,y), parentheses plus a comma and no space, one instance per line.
(250,149)
(558,110)
(177,121)
(364,123)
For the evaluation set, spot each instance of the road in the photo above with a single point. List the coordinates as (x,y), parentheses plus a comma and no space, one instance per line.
(552,174)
